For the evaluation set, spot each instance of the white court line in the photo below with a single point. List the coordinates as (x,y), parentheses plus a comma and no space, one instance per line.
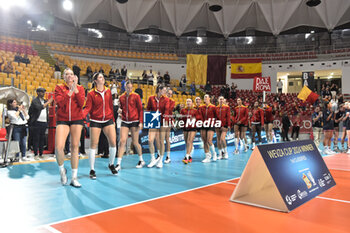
(51,229)
(227,182)
(132,204)
(332,199)
(326,198)
(339,169)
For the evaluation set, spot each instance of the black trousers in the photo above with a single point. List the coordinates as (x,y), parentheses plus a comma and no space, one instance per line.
(39,139)
(285,133)
(295,130)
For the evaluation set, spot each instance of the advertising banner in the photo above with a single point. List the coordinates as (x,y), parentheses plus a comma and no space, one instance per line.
(262,84)
(283,176)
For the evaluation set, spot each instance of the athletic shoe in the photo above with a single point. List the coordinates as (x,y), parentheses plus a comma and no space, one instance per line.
(167,160)
(236,152)
(36,157)
(92,175)
(225,156)
(153,162)
(332,152)
(185,160)
(117,168)
(64,179)
(246,148)
(75,183)
(23,159)
(207,158)
(348,152)
(113,169)
(190,159)
(140,164)
(253,147)
(220,156)
(215,157)
(159,163)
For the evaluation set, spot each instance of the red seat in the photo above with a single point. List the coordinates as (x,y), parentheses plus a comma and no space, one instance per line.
(3,135)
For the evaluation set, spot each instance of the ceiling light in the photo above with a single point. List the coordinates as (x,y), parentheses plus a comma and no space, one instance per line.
(96,32)
(29,22)
(6,4)
(149,38)
(332,73)
(215,8)
(67,5)
(312,32)
(313,3)
(307,35)
(250,39)
(199,40)
(287,73)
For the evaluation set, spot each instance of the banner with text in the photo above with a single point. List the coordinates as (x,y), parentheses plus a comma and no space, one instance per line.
(283,176)
(262,84)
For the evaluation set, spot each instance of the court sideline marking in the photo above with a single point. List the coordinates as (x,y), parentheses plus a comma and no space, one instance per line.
(132,204)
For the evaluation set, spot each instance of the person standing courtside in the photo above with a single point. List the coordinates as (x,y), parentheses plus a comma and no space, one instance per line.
(38,121)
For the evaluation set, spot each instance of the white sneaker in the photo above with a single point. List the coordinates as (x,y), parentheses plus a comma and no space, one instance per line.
(24,159)
(75,183)
(348,152)
(225,155)
(64,179)
(167,160)
(159,163)
(153,162)
(236,152)
(207,158)
(215,157)
(140,164)
(246,148)
(253,146)
(220,156)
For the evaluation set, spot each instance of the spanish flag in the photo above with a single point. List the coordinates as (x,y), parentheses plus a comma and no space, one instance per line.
(307,95)
(245,68)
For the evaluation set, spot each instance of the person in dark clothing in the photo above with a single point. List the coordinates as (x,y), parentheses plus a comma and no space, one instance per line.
(285,127)
(17,58)
(139,91)
(101,70)
(76,71)
(38,121)
(25,59)
(328,127)
(117,74)
(89,73)
(167,78)
(222,91)
(103,146)
(207,88)
(111,74)
(1,63)
(57,73)
(144,76)
(124,71)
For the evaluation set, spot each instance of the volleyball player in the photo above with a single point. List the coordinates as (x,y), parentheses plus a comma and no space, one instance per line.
(268,122)
(198,103)
(257,122)
(99,106)
(70,99)
(346,121)
(328,127)
(241,124)
(132,119)
(189,114)
(168,129)
(207,111)
(223,113)
(158,103)
(338,117)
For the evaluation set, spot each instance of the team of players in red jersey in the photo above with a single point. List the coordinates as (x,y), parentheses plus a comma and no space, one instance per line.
(70,102)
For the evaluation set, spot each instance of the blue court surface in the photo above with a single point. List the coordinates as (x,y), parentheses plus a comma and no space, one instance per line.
(31,194)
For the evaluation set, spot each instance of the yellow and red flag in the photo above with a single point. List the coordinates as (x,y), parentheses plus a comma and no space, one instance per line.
(245,68)
(307,95)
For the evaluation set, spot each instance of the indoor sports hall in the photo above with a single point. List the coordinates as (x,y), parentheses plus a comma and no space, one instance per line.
(174,116)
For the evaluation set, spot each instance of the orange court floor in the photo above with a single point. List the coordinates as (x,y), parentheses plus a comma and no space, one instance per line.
(208,209)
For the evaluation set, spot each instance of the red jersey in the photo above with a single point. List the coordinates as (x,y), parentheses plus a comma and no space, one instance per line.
(171,106)
(206,112)
(241,115)
(223,113)
(99,105)
(257,116)
(131,107)
(268,115)
(69,108)
(188,114)
(162,105)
